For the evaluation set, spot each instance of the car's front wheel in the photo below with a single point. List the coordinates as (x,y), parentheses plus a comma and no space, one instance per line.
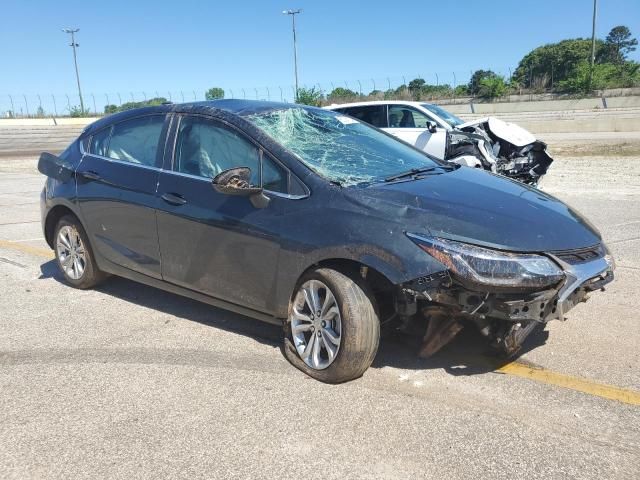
(333,330)
(74,255)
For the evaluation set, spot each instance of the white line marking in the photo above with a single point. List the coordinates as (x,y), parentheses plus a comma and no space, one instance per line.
(28,239)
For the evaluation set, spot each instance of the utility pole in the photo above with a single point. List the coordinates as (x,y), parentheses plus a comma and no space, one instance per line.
(293,14)
(75,61)
(593,42)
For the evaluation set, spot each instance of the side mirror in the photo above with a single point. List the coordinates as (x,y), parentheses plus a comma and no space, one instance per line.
(432,127)
(236,181)
(55,167)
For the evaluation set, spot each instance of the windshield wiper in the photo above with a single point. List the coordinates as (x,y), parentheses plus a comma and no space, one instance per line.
(416,171)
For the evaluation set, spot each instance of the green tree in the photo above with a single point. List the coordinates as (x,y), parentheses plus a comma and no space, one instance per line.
(461,90)
(430,90)
(629,75)
(341,94)
(477,76)
(415,87)
(389,94)
(420,89)
(76,111)
(131,105)
(556,61)
(401,89)
(310,96)
(620,42)
(604,76)
(492,87)
(214,93)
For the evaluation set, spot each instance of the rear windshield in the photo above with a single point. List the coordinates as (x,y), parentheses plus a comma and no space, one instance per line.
(337,147)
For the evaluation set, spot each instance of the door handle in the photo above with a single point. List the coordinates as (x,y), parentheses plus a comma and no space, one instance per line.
(173,199)
(91,175)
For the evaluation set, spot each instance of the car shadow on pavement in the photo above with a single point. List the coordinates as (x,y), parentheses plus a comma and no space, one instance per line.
(178,306)
(467,354)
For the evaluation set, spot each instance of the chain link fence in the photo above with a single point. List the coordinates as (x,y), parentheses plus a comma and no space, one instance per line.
(442,87)
(33,105)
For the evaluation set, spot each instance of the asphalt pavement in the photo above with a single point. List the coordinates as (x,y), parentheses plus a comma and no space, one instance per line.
(127,381)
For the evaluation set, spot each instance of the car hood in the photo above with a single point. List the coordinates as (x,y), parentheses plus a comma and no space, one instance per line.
(509,132)
(481,208)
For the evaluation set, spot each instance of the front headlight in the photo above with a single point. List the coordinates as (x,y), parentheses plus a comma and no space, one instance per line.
(484,266)
(609,258)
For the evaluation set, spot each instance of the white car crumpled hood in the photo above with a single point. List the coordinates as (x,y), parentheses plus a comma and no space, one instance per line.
(509,132)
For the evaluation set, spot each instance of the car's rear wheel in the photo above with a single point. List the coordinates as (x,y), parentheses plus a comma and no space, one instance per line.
(74,255)
(333,328)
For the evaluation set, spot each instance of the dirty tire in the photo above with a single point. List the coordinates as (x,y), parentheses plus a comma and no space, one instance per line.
(91,275)
(360,334)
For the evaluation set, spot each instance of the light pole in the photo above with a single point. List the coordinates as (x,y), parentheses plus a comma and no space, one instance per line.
(293,14)
(75,61)
(593,42)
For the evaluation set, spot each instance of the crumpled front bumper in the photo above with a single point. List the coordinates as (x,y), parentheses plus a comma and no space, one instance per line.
(507,318)
(552,304)
(582,278)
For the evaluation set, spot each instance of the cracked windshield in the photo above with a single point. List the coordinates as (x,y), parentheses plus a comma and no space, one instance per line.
(338,147)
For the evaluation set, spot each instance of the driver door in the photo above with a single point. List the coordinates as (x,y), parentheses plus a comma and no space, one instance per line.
(210,242)
(411,125)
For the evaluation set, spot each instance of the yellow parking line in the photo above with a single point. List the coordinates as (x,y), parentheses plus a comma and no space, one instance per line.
(574,383)
(40,252)
(517,369)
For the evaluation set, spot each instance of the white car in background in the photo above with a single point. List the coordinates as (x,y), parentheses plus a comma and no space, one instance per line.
(488,142)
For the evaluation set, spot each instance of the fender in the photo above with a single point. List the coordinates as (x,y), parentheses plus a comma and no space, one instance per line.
(396,269)
(49,208)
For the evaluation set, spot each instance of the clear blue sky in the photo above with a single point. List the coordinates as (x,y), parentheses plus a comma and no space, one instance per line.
(143,45)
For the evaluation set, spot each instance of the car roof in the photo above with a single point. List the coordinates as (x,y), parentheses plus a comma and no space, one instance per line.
(376,102)
(211,107)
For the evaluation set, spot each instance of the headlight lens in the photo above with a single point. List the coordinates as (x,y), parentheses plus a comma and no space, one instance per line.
(609,258)
(489,267)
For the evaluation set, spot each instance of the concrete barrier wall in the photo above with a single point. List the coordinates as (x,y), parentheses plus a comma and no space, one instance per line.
(49,121)
(546,106)
(581,125)
(20,140)
(32,136)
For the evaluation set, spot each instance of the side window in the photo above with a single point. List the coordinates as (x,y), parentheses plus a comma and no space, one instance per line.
(401,116)
(274,177)
(136,140)
(205,148)
(100,142)
(372,114)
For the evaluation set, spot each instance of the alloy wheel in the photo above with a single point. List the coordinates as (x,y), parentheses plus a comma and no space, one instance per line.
(316,324)
(71,252)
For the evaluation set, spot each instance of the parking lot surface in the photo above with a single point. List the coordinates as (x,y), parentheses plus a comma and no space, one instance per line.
(127,381)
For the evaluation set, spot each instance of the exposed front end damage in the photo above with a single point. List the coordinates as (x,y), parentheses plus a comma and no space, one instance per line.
(500,147)
(438,306)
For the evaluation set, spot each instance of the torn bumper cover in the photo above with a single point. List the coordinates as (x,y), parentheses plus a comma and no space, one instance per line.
(480,287)
(500,147)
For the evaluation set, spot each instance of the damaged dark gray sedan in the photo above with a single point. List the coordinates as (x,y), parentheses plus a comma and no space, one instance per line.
(312,220)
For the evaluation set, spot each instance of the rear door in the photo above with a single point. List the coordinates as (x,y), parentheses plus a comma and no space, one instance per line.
(117,181)
(410,125)
(218,244)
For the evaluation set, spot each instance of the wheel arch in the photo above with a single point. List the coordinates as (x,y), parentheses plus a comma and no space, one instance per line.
(377,281)
(53,216)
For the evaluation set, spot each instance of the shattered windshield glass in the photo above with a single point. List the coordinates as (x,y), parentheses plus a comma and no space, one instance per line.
(448,117)
(337,147)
